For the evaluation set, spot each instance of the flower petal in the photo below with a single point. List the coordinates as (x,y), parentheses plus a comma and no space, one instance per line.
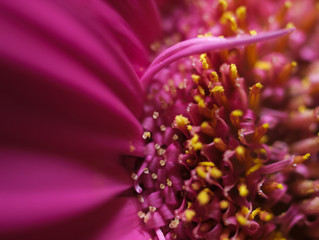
(37,189)
(67,85)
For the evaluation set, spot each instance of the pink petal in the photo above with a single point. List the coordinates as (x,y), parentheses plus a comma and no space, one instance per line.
(37,189)
(67,85)
(143,18)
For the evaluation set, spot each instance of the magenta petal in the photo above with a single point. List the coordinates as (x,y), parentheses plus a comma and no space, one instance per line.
(143,17)
(67,85)
(37,189)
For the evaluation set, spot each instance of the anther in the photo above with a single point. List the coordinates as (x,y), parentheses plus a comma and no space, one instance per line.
(243,191)
(174,223)
(152,209)
(162,162)
(189,214)
(181,121)
(155,115)
(224,204)
(140,198)
(146,135)
(204,196)
(195,78)
(162,128)
(216,173)
(154,176)
(141,214)
(219,94)
(235,117)
(254,96)
(134,176)
(219,144)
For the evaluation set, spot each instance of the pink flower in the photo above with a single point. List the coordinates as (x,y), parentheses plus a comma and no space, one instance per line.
(218,132)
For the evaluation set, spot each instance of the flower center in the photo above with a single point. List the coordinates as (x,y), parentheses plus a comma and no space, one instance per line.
(217,163)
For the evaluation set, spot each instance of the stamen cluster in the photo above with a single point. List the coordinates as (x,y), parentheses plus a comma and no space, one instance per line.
(230,143)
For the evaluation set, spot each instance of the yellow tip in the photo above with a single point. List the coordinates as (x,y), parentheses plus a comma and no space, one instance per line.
(288,4)
(237,113)
(280,186)
(243,191)
(233,72)
(201,172)
(216,173)
(290,25)
(204,196)
(195,78)
(241,12)
(241,220)
(306,156)
(200,101)
(214,76)
(259,85)
(266,125)
(195,143)
(218,89)
(263,65)
(223,4)
(206,164)
(223,204)
(240,150)
(189,214)
(181,121)
(253,32)
(254,213)
(244,210)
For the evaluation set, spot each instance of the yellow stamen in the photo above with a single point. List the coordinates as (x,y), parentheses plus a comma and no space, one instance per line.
(244,210)
(240,153)
(201,90)
(189,214)
(241,220)
(254,213)
(254,96)
(265,216)
(204,196)
(235,117)
(223,5)
(286,72)
(233,73)
(195,78)
(205,61)
(181,121)
(206,164)
(207,129)
(219,94)
(220,145)
(241,13)
(243,191)
(223,204)
(263,65)
(228,19)
(213,76)
(201,172)
(254,168)
(195,144)
(200,101)
(216,173)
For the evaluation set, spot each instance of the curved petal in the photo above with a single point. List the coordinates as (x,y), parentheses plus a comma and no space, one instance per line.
(37,189)
(70,100)
(144,18)
(67,85)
